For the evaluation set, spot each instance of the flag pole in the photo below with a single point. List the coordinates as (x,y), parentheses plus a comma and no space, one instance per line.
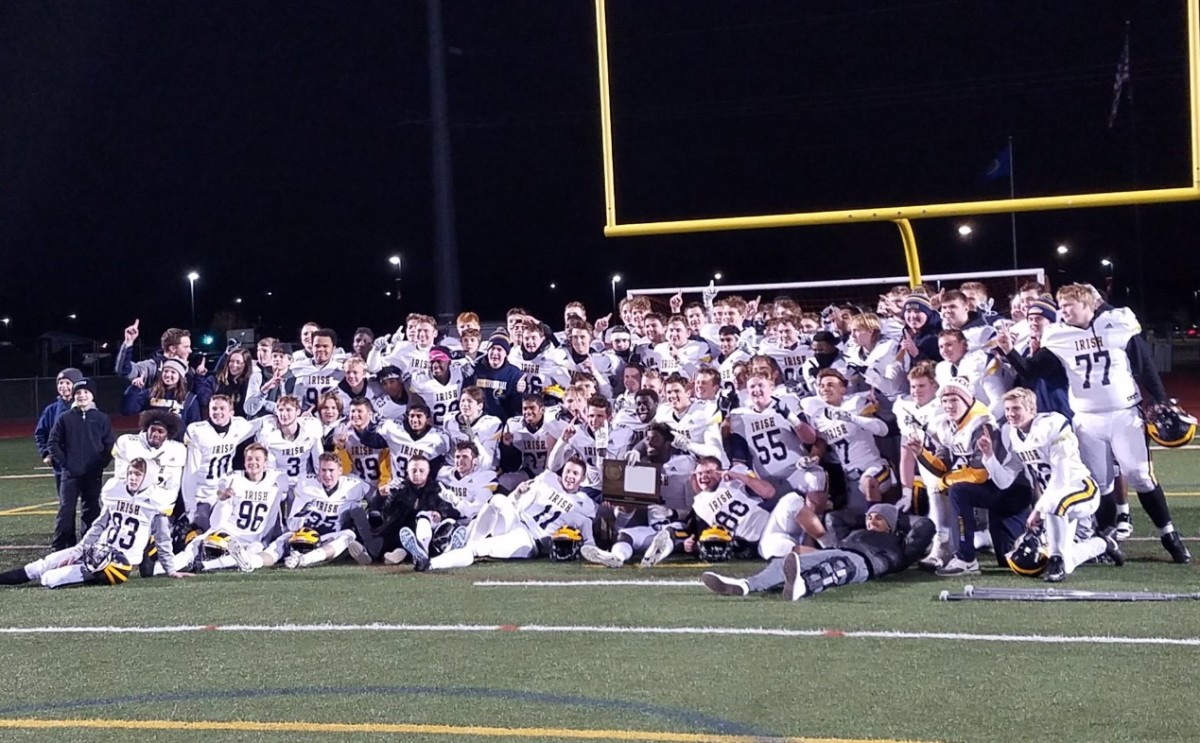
(1012,194)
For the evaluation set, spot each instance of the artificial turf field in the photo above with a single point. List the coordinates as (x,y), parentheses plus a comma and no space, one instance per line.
(342,652)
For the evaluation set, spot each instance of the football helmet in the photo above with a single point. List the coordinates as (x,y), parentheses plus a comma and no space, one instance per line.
(442,534)
(215,545)
(1029,554)
(920,497)
(304,540)
(715,544)
(1168,425)
(565,544)
(107,565)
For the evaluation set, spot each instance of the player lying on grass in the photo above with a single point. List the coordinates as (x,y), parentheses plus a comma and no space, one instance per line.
(133,510)
(887,542)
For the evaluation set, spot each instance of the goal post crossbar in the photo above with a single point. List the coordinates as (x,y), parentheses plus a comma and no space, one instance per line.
(896,280)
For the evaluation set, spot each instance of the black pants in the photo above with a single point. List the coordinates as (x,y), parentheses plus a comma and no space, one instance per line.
(75,490)
(1007,511)
(377,540)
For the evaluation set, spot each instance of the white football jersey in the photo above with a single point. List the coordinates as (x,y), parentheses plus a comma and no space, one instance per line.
(987,375)
(385,407)
(534,445)
(317,380)
(295,456)
(442,398)
(593,447)
(409,357)
(725,368)
(546,507)
(484,432)
(914,420)
(127,520)
(541,369)
(811,368)
(882,368)
(852,445)
(318,509)
(1095,360)
(733,507)
(467,493)
(169,458)
(790,360)
(210,453)
(403,444)
(1049,453)
(253,509)
(775,449)
(684,360)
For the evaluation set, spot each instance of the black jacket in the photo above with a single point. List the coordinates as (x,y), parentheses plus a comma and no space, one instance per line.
(400,507)
(888,552)
(81,442)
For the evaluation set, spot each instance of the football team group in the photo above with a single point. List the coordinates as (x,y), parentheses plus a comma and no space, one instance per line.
(837,446)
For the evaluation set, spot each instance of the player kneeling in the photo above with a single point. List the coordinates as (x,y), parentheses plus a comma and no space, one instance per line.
(244,519)
(313,531)
(888,542)
(134,509)
(525,523)
(1045,447)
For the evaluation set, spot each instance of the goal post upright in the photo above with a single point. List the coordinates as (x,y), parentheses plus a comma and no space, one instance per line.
(900,215)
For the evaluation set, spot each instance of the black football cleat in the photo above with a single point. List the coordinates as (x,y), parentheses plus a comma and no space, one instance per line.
(1056,572)
(1173,544)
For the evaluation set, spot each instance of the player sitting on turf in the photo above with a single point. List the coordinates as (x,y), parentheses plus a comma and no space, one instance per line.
(519,525)
(886,542)
(157,445)
(429,508)
(652,529)
(313,533)
(244,519)
(133,510)
(728,509)
(1044,445)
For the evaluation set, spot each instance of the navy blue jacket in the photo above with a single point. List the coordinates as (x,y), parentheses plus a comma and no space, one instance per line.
(500,396)
(81,442)
(45,424)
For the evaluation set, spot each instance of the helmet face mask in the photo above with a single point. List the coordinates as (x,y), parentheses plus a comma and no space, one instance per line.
(1029,554)
(107,566)
(565,544)
(1168,425)
(715,544)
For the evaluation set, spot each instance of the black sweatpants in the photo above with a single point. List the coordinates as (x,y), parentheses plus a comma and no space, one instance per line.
(75,492)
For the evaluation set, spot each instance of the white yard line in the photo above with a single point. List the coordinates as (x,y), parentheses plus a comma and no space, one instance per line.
(572,583)
(615,630)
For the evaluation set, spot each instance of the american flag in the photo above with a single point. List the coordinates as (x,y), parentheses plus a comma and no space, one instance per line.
(1119,83)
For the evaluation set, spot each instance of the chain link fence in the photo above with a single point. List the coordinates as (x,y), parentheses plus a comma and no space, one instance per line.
(24,399)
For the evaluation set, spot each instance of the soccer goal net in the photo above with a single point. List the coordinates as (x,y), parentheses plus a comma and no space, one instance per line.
(813,296)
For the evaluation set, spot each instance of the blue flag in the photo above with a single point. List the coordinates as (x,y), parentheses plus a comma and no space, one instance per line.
(1001,165)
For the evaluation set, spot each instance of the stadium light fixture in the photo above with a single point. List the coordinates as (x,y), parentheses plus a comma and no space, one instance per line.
(395,261)
(6,321)
(965,230)
(237,300)
(192,278)
(1106,263)
(553,285)
(616,279)
(72,316)
(717,276)
(1062,250)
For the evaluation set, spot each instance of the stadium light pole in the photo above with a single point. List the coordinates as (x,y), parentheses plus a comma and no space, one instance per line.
(192,278)
(395,261)
(616,279)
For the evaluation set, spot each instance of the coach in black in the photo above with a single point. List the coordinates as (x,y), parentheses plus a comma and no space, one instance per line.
(81,445)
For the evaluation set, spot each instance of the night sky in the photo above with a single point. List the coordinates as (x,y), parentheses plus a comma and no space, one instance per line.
(285,147)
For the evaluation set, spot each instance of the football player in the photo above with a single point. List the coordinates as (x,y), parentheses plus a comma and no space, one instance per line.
(678,354)
(697,425)
(244,519)
(514,527)
(957,315)
(156,444)
(354,382)
(579,356)
(134,510)
(989,378)
(441,387)
(471,424)
(469,485)
(826,355)
(390,398)
(775,445)
(313,533)
(1105,358)
(956,460)
(211,446)
(652,529)
(1044,445)
(305,353)
(411,356)
(731,500)
(368,463)
(323,372)
(591,443)
(524,443)
(412,436)
(731,353)
(874,358)
(540,363)
(884,541)
(847,425)
(789,351)
(293,443)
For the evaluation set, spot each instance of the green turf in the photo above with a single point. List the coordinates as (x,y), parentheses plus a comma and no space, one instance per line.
(812,686)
